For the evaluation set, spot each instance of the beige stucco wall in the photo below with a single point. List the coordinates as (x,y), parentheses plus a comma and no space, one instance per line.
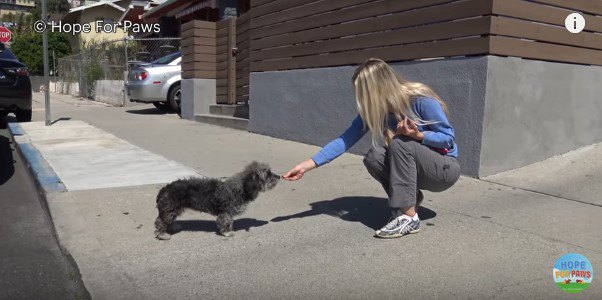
(106,12)
(19,7)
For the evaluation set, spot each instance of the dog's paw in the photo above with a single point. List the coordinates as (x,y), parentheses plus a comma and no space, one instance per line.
(163,236)
(228,234)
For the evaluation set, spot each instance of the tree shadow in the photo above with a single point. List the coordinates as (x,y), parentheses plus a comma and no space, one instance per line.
(210,226)
(373,212)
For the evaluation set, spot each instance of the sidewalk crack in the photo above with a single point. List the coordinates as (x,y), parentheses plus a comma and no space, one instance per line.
(541,193)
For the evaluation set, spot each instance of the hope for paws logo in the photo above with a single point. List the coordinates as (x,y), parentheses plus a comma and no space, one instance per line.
(573,273)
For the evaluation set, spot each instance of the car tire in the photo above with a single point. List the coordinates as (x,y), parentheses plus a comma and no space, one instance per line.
(174,97)
(23,115)
(163,106)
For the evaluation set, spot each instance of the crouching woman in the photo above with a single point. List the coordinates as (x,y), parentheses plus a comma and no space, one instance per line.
(419,151)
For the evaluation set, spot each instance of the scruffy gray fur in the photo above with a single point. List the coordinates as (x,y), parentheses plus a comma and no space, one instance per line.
(223,199)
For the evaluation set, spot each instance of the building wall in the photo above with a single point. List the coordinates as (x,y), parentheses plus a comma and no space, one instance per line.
(538,109)
(109,92)
(316,105)
(16,7)
(507,112)
(89,16)
(26,3)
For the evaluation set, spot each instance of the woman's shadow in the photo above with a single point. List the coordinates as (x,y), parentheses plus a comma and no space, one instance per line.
(370,211)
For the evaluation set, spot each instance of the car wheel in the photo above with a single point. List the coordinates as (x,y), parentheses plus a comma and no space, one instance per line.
(164,106)
(23,115)
(174,98)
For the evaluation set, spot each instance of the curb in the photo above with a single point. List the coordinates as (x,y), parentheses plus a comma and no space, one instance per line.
(45,177)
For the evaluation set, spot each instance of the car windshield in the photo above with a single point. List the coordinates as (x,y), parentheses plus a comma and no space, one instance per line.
(166,59)
(7,54)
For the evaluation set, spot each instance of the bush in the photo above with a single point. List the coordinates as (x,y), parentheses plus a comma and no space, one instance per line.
(29,49)
(94,72)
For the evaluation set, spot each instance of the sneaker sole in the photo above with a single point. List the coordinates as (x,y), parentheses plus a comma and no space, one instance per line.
(394,236)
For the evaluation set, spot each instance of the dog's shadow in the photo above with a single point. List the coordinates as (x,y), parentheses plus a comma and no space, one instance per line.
(210,226)
(373,212)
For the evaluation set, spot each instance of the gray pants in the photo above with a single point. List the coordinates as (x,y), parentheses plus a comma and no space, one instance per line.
(407,166)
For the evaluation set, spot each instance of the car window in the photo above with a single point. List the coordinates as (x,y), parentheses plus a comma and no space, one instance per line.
(176,62)
(166,59)
(7,54)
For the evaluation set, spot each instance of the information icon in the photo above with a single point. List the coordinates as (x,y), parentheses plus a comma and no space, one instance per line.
(574,23)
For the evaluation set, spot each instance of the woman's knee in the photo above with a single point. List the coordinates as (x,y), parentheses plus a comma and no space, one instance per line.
(370,162)
(374,157)
(402,143)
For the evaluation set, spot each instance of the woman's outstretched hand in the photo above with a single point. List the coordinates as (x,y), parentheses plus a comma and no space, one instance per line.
(297,172)
(408,128)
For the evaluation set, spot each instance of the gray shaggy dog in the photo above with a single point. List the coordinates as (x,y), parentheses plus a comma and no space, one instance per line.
(221,198)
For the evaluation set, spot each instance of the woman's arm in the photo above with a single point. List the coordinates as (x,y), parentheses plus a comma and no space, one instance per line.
(329,152)
(440,133)
(341,144)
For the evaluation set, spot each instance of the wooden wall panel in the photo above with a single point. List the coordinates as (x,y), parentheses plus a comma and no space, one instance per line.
(198,50)
(292,34)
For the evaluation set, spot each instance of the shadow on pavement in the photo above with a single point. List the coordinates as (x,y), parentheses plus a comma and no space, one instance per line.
(148,111)
(370,211)
(60,119)
(7,168)
(5,120)
(210,226)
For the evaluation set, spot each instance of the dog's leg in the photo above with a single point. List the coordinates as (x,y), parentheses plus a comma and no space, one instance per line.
(224,225)
(163,223)
(161,230)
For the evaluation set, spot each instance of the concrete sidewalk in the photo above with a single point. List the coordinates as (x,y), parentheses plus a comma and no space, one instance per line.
(312,238)
(85,157)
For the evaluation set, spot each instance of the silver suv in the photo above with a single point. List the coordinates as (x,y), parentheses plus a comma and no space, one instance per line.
(157,82)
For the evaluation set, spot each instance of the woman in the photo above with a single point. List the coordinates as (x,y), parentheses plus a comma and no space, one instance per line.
(419,151)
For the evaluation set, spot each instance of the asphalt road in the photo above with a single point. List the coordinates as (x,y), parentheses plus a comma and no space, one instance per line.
(32,265)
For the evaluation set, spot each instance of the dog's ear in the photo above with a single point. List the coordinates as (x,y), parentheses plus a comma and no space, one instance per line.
(252,165)
(252,184)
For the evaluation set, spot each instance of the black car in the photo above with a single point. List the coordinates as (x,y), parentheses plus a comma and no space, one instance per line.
(15,86)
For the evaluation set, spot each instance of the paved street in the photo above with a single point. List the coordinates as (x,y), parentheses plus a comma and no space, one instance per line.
(31,263)
(488,238)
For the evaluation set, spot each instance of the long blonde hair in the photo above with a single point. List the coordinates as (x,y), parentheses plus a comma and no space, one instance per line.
(380,91)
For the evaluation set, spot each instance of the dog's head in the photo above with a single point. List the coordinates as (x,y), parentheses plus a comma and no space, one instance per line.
(258,177)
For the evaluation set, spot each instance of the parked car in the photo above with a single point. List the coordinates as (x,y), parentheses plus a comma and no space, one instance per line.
(15,86)
(157,82)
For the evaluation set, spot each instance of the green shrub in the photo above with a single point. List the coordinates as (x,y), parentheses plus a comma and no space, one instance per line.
(28,49)
(93,72)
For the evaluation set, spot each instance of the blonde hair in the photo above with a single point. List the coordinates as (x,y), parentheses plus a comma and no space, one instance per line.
(380,91)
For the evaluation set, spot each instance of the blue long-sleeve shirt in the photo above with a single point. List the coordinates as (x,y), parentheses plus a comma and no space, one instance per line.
(438,134)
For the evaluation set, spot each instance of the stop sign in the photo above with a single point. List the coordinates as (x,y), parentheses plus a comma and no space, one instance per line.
(5,34)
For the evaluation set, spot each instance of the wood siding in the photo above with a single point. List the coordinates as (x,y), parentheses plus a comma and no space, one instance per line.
(226,65)
(294,34)
(198,50)
(243,57)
